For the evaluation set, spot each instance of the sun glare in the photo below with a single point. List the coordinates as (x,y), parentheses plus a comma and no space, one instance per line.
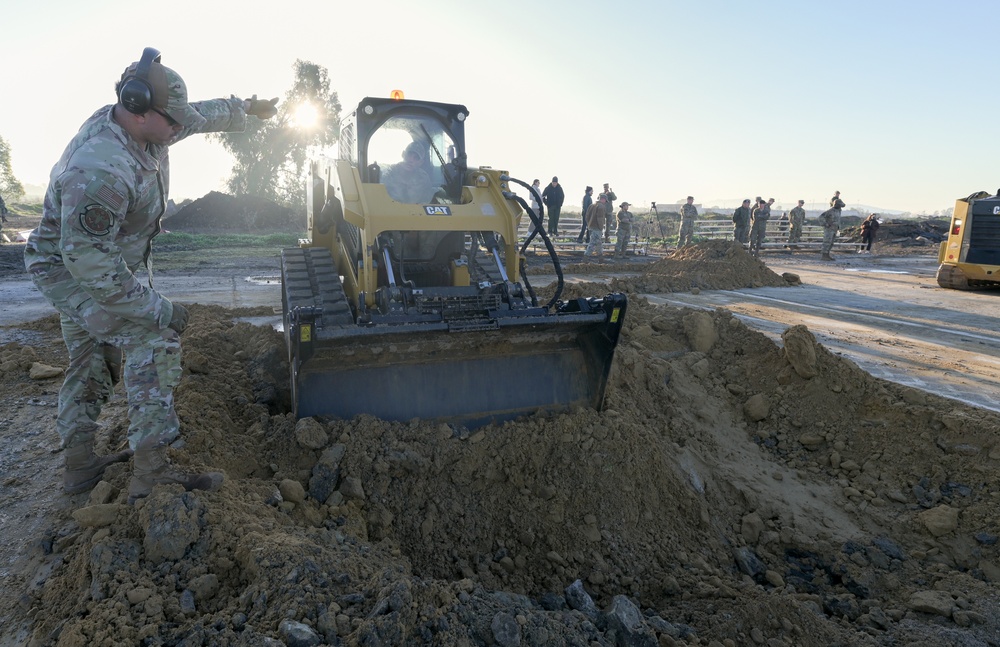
(305,116)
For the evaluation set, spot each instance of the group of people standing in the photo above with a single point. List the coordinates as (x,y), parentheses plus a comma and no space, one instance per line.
(599,217)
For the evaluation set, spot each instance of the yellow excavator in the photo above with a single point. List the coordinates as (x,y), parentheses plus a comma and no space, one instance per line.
(970,257)
(409,299)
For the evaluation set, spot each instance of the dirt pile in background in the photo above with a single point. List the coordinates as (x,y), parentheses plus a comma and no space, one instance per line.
(221,213)
(733,492)
(713,265)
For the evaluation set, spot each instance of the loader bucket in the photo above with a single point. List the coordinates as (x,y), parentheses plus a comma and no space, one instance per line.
(553,362)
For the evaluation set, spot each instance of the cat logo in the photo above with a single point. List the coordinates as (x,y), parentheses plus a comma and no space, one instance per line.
(437,210)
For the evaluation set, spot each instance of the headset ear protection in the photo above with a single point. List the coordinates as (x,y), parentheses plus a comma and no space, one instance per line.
(135,92)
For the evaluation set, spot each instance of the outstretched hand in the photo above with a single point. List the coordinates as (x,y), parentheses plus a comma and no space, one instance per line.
(262,108)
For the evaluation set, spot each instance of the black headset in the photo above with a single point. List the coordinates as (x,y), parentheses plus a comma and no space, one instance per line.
(135,92)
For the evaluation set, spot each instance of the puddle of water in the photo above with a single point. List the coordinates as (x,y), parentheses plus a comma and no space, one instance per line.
(858,269)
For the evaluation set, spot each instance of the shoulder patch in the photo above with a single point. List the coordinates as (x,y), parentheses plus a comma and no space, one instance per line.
(96,219)
(103,189)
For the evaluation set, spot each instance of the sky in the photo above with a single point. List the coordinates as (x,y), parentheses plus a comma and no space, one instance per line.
(891,102)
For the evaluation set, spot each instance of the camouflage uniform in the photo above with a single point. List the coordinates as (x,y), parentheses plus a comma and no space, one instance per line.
(3,212)
(831,225)
(625,220)
(741,224)
(758,226)
(102,209)
(609,213)
(798,218)
(688,213)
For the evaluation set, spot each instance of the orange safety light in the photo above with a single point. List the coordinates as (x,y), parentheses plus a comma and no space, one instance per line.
(956,227)
(396,95)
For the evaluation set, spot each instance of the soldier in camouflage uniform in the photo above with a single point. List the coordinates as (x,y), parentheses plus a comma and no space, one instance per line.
(831,225)
(625,222)
(741,222)
(609,211)
(798,217)
(688,213)
(3,212)
(101,211)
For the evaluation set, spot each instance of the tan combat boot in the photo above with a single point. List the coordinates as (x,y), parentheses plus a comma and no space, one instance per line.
(84,468)
(152,467)
(826,257)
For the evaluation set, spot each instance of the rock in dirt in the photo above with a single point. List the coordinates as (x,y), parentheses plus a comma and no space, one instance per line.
(940,521)
(939,603)
(96,516)
(800,350)
(39,371)
(700,330)
(171,520)
(311,434)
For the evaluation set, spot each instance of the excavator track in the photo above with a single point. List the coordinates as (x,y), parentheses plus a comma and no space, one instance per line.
(309,279)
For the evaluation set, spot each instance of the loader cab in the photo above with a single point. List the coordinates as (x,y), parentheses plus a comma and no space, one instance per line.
(415,148)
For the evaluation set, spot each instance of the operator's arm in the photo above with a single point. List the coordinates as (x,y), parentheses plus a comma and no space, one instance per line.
(94,204)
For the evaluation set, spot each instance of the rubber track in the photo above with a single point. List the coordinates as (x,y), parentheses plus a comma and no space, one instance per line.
(948,276)
(310,279)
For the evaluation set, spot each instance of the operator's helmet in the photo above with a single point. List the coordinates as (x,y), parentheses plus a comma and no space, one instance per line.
(415,148)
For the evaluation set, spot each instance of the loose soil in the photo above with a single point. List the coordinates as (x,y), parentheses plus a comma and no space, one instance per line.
(733,491)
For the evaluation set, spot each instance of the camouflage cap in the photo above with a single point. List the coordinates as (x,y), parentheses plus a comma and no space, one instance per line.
(169,94)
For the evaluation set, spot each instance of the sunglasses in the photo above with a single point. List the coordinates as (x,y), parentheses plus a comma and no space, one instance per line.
(170,120)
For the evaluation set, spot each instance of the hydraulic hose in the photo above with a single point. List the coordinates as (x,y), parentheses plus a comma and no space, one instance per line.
(540,231)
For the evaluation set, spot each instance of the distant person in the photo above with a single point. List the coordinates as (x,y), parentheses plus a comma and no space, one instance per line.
(830,219)
(595,225)
(3,212)
(869,230)
(741,223)
(102,209)
(408,181)
(553,197)
(609,211)
(536,206)
(797,218)
(758,225)
(626,222)
(588,200)
(688,214)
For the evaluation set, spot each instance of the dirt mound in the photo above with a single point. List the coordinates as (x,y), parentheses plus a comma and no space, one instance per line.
(712,265)
(222,213)
(904,233)
(732,492)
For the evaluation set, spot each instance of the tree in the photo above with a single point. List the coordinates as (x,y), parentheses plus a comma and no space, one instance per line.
(10,186)
(271,154)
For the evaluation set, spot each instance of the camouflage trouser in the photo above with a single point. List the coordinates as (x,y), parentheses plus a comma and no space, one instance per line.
(758,231)
(795,233)
(828,237)
(624,234)
(686,232)
(741,233)
(609,225)
(95,339)
(596,243)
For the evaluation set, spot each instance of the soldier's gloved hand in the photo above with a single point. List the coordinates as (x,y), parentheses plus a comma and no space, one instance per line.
(262,108)
(179,318)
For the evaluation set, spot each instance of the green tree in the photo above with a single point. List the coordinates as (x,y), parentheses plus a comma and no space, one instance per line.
(271,154)
(10,186)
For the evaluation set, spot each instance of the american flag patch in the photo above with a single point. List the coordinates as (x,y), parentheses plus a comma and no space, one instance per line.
(110,197)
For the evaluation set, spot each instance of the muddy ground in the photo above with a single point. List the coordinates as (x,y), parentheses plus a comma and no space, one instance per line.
(733,491)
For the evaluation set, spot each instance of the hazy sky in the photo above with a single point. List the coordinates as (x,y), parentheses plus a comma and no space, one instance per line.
(890,101)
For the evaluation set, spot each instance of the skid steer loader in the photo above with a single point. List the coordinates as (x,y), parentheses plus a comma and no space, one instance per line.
(408,299)
(970,257)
